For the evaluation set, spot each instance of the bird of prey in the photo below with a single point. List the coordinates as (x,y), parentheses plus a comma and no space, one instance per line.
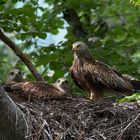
(14,76)
(95,77)
(63,84)
(38,90)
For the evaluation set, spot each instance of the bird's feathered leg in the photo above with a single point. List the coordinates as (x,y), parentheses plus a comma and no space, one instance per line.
(95,95)
(92,96)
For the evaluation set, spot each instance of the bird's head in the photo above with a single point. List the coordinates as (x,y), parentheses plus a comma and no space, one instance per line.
(79,48)
(15,75)
(63,83)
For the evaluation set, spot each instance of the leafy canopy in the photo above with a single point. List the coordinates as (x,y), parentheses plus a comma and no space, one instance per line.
(112,27)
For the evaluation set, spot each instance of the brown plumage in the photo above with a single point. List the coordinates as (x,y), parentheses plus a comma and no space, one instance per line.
(95,77)
(38,90)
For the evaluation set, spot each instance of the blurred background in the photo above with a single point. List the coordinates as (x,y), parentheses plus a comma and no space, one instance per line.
(46,29)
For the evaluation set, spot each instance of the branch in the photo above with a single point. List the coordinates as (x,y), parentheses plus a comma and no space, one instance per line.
(129,127)
(73,19)
(13,124)
(21,55)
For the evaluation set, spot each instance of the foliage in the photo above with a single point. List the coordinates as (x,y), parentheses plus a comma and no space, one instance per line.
(133,98)
(113,26)
(135,2)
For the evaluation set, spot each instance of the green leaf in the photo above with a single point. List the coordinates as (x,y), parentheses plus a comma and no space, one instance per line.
(42,35)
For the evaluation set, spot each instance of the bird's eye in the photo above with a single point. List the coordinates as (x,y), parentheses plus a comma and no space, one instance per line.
(58,80)
(78,46)
(66,81)
(11,73)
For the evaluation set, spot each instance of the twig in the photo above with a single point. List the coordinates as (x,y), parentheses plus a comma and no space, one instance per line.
(21,55)
(46,129)
(101,135)
(128,126)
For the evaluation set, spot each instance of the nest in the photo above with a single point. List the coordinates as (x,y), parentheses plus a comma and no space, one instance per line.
(75,118)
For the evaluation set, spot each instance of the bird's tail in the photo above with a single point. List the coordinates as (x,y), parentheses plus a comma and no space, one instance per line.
(136,84)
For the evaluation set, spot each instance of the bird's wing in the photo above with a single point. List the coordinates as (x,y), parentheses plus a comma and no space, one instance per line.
(98,73)
(76,79)
(33,89)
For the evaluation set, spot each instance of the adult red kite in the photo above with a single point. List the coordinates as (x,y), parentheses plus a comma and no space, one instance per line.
(38,90)
(95,77)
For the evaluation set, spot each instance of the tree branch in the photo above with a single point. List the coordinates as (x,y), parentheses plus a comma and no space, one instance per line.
(13,124)
(21,55)
(73,19)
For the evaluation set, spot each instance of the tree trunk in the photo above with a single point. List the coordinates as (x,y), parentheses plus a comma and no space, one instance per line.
(13,124)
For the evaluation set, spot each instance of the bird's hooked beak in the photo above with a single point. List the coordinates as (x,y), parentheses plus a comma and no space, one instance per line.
(74,48)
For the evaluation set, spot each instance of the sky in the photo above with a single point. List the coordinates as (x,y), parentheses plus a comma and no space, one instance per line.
(50,39)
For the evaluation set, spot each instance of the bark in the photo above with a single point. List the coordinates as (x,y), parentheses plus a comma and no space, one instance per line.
(21,55)
(73,19)
(13,124)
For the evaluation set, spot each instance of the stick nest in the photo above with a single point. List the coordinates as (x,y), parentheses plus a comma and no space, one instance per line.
(75,118)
